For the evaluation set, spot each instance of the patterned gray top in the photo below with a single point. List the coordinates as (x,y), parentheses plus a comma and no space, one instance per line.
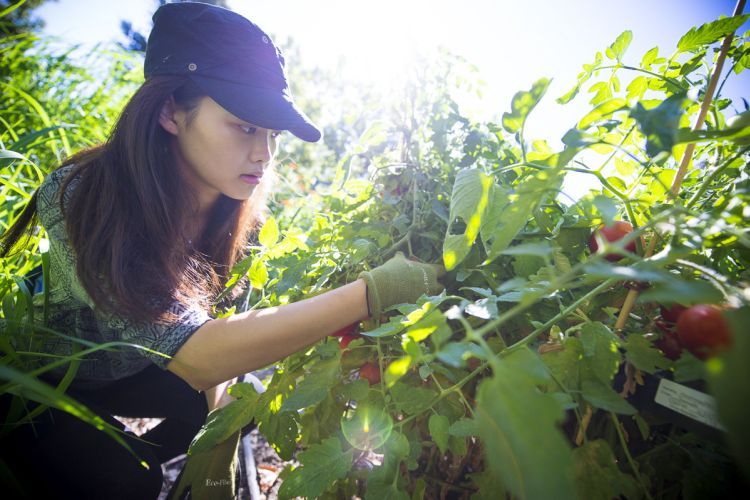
(72,312)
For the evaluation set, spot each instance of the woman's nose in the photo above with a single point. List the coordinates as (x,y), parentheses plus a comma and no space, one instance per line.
(260,151)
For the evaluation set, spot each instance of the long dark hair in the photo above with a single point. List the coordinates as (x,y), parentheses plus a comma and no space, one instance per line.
(127,214)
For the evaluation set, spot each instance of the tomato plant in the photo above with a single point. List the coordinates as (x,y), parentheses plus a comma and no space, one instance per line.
(522,359)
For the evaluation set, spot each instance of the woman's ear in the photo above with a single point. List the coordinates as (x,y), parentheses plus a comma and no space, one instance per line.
(167,117)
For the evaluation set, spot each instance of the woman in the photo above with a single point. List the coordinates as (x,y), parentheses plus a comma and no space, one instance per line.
(143,231)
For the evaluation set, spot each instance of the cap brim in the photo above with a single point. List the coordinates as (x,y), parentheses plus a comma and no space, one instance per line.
(263,107)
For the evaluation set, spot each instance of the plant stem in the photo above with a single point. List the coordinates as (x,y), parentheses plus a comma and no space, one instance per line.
(632,463)
(667,79)
(443,394)
(572,307)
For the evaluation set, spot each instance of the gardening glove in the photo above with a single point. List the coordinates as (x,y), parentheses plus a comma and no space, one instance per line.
(400,280)
(209,474)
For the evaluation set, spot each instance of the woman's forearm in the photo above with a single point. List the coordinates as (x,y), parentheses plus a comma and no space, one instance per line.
(227,347)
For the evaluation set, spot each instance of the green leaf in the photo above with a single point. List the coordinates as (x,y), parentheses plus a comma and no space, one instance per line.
(242,390)
(356,390)
(583,77)
(384,489)
(258,273)
(619,46)
(424,322)
(522,104)
(410,399)
(471,194)
(564,364)
(508,212)
(279,428)
(487,484)
(523,444)
(660,124)
(269,233)
(688,368)
(637,87)
(397,369)
(386,482)
(603,110)
(221,423)
(709,33)
(456,353)
(644,272)
(597,473)
(376,133)
(601,395)
(7,154)
(577,139)
(314,387)
(649,58)
(6,11)
(729,382)
(682,291)
(321,465)
(642,354)
(607,209)
(539,249)
(464,427)
(600,349)
(438,426)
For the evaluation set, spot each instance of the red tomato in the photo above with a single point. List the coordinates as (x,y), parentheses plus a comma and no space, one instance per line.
(346,339)
(347,330)
(612,233)
(672,313)
(370,372)
(703,330)
(669,344)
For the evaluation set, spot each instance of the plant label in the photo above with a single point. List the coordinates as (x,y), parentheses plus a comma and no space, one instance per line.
(689,402)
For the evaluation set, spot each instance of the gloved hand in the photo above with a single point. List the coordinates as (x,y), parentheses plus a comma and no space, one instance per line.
(400,280)
(209,474)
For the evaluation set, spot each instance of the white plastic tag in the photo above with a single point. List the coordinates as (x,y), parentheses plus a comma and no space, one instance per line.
(689,402)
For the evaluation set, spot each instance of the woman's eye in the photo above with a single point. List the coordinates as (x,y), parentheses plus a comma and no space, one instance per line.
(276,133)
(248,129)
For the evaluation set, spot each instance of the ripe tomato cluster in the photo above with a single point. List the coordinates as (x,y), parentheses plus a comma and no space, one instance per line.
(369,371)
(701,329)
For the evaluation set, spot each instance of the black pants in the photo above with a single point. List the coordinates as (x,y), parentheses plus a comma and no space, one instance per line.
(64,457)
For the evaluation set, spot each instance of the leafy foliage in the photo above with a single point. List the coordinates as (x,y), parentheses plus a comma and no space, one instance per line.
(515,379)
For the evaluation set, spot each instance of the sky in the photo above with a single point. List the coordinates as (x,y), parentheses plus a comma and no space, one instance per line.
(512,43)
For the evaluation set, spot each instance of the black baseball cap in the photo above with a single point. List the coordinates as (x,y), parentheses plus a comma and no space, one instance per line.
(229,58)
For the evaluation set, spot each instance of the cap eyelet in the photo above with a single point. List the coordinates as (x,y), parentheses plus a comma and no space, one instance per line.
(192,67)
(265,39)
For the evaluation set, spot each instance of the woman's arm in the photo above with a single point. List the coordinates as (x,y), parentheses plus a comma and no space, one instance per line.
(225,348)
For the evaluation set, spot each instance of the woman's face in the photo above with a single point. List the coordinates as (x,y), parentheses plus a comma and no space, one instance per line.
(220,153)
